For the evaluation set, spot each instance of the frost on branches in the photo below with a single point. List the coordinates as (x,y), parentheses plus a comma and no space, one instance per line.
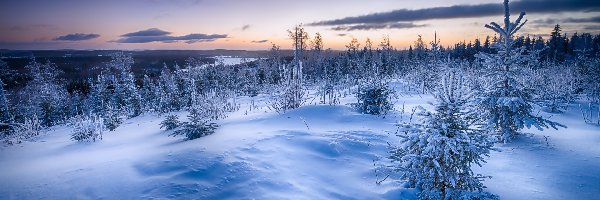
(88,129)
(375,99)
(171,122)
(506,104)
(197,127)
(436,155)
(293,93)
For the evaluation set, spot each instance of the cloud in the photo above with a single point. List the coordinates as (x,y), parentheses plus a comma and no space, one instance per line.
(245,27)
(465,11)
(592,28)
(33,27)
(544,21)
(595,19)
(17,28)
(259,41)
(376,26)
(147,32)
(342,34)
(76,37)
(549,21)
(157,35)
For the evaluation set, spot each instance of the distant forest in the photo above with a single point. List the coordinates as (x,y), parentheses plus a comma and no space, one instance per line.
(79,65)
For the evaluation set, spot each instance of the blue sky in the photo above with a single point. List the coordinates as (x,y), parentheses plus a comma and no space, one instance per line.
(245,24)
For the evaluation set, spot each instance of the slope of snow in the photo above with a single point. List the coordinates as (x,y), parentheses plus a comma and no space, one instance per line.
(550,164)
(314,152)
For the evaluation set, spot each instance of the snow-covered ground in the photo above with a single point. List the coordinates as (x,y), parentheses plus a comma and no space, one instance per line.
(228,60)
(314,152)
(550,164)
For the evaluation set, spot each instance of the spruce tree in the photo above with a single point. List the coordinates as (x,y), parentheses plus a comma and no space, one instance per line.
(126,97)
(506,104)
(44,97)
(198,126)
(436,154)
(4,111)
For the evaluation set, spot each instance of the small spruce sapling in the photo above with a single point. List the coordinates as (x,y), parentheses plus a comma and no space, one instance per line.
(506,104)
(171,122)
(88,129)
(436,155)
(197,127)
(374,100)
(112,119)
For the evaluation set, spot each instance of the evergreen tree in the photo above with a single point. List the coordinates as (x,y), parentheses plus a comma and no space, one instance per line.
(44,96)
(506,104)
(99,98)
(171,122)
(148,94)
(528,44)
(197,127)
(126,97)
(4,109)
(555,44)
(88,129)
(112,118)
(167,92)
(420,48)
(436,155)
(539,44)
(476,46)
(293,95)
(486,45)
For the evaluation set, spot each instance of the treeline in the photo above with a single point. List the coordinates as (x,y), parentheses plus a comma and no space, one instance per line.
(559,47)
(115,93)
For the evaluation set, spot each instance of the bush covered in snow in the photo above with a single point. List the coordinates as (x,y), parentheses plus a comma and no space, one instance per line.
(88,129)
(374,100)
(112,120)
(171,122)
(23,131)
(555,88)
(291,97)
(197,127)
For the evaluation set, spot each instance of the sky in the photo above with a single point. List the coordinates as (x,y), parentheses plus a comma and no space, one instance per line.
(257,24)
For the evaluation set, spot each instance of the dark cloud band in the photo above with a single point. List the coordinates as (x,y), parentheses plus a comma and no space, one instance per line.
(376,26)
(77,37)
(147,32)
(157,35)
(259,41)
(466,11)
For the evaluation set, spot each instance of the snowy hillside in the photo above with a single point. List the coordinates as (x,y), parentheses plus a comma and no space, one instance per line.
(314,152)
(512,117)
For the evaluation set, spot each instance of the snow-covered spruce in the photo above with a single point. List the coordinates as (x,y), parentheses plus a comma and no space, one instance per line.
(435,155)
(112,119)
(555,88)
(293,93)
(197,127)
(4,111)
(44,96)
(506,104)
(88,129)
(19,132)
(171,122)
(374,100)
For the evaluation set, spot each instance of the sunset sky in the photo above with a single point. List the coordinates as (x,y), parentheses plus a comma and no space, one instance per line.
(255,25)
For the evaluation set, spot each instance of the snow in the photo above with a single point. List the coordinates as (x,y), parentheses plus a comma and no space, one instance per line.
(313,152)
(228,60)
(567,166)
